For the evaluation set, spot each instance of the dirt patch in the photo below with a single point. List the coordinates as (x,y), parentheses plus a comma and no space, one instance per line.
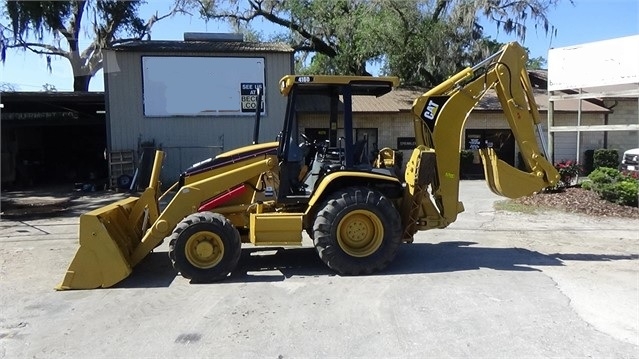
(52,201)
(579,200)
(34,207)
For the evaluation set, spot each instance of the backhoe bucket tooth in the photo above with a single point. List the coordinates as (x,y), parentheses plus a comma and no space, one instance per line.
(506,180)
(106,241)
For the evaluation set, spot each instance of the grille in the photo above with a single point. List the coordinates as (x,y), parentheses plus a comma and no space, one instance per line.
(631,159)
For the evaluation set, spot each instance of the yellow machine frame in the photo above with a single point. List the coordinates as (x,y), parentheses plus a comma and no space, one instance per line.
(115,238)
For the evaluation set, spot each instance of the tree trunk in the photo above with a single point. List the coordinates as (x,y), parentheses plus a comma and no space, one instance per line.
(81,83)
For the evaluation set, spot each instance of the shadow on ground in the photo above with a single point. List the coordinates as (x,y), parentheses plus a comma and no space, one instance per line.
(53,202)
(278,264)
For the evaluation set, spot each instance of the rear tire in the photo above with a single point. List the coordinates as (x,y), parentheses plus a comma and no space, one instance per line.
(205,247)
(357,231)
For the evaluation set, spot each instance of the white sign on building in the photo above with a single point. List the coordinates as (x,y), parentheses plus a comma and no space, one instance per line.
(594,64)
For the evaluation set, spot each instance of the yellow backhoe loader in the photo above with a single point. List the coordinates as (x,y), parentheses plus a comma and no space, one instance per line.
(357,210)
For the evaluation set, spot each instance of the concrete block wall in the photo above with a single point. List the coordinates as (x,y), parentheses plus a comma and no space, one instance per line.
(389,126)
(393,125)
(626,111)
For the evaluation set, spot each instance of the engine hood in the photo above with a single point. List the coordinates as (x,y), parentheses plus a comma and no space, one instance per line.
(235,155)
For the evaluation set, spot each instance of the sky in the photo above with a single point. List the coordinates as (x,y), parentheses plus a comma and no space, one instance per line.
(582,22)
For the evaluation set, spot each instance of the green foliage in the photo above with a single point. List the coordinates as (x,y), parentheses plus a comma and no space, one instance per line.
(422,51)
(106,22)
(626,192)
(421,41)
(466,157)
(613,186)
(605,175)
(536,63)
(622,192)
(606,158)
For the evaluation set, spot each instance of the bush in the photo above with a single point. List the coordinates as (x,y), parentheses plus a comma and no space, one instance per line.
(606,158)
(466,157)
(627,192)
(568,170)
(605,175)
(613,186)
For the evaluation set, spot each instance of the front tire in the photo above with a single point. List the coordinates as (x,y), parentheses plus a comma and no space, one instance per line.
(205,247)
(357,231)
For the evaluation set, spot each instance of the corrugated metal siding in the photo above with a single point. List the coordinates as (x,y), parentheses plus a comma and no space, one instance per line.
(187,139)
(123,88)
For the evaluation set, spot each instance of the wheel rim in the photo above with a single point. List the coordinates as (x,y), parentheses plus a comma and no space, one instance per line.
(204,249)
(360,233)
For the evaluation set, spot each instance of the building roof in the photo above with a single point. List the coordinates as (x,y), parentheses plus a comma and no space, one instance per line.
(202,46)
(31,101)
(539,78)
(572,105)
(398,100)
(52,105)
(401,99)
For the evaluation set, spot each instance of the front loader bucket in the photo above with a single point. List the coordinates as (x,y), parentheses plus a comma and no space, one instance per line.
(110,235)
(508,181)
(106,243)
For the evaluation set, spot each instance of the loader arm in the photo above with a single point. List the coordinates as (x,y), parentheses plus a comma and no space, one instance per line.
(189,198)
(439,118)
(115,238)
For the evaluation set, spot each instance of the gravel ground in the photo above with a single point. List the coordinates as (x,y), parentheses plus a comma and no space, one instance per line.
(52,202)
(579,200)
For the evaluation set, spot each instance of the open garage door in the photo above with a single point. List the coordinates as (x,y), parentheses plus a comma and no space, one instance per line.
(53,139)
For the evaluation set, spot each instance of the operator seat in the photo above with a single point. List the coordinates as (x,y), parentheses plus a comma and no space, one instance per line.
(359,152)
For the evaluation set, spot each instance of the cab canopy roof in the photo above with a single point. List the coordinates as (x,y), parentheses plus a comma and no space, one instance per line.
(359,85)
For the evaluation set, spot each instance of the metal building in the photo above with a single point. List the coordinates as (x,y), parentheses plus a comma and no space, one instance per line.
(193,98)
(52,139)
(605,71)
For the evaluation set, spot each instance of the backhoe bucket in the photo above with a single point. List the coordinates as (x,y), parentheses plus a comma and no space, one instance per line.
(507,181)
(106,241)
(108,238)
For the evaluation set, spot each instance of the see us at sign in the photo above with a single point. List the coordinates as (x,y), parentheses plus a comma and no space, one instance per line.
(249,92)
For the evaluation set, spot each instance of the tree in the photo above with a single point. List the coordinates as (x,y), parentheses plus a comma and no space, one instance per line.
(421,41)
(49,88)
(54,28)
(334,31)
(8,87)
(536,63)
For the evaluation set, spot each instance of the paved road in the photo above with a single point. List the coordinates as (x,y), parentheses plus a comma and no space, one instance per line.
(493,284)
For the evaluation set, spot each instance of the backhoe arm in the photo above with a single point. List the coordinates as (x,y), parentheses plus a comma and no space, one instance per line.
(440,115)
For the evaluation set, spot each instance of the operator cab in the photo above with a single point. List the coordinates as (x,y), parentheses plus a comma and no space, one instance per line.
(329,99)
